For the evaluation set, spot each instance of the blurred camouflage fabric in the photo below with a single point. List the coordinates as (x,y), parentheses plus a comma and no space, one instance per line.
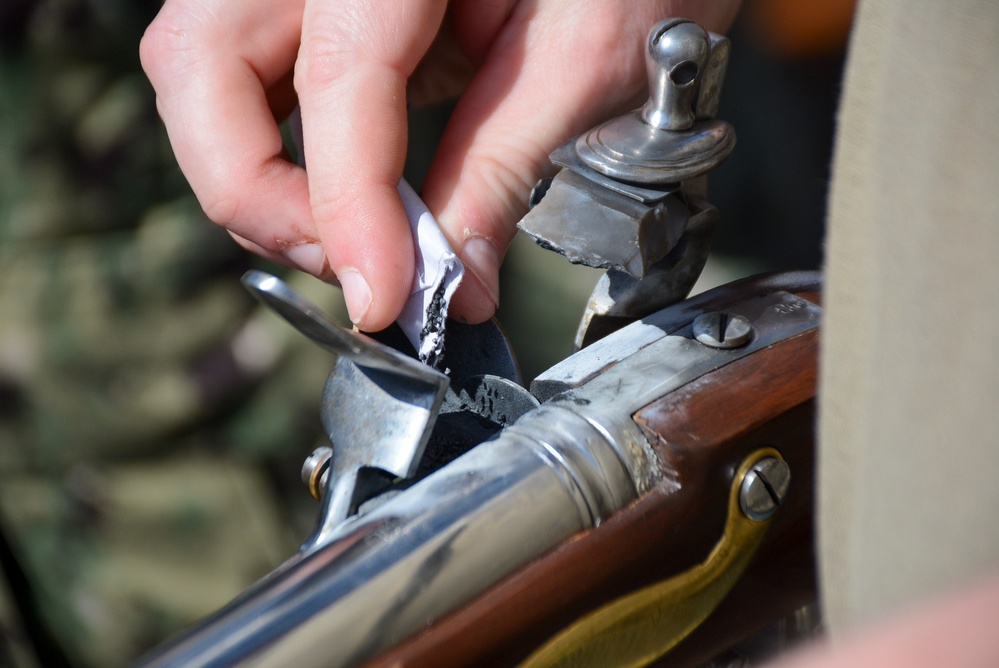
(152,418)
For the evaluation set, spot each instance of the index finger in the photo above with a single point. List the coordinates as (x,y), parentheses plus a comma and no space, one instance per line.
(351,78)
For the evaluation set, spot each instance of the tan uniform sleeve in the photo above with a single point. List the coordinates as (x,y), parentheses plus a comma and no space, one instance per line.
(909,426)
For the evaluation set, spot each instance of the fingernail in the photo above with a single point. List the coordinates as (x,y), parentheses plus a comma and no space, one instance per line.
(309,257)
(480,256)
(356,293)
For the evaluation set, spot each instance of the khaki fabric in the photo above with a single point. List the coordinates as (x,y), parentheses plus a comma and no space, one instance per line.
(909,426)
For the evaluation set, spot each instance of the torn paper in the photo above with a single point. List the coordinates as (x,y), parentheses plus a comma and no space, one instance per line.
(438,269)
(438,273)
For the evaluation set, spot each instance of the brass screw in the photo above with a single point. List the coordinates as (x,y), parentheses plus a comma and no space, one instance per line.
(314,470)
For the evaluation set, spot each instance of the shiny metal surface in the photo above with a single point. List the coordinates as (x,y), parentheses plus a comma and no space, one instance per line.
(577,370)
(378,405)
(675,56)
(562,467)
(663,142)
(776,313)
(721,329)
(628,150)
(764,488)
(712,77)
(608,388)
(389,573)
(310,320)
(376,421)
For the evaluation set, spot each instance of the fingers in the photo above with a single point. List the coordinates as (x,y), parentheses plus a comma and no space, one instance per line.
(553,70)
(218,69)
(544,79)
(221,72)
(351,77)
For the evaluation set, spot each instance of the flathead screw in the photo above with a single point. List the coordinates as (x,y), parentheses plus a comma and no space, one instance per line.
(764,488)
(722,330)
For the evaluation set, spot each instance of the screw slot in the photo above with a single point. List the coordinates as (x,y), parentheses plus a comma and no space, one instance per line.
(722,330)
(764,488)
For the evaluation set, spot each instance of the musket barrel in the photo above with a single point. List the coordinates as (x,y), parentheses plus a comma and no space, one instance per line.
(391,572)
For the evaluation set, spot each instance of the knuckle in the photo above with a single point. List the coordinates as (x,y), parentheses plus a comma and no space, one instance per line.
(221,207)
(510,179)
(339,37)
(175,35)
(223,195)
(156,43)
(322,59)
(232,195)
(345,196)
(329,207)
(492,195)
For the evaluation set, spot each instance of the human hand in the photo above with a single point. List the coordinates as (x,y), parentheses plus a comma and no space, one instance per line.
(226,72)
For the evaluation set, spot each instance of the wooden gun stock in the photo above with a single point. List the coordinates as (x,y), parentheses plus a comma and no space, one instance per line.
(701,435)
